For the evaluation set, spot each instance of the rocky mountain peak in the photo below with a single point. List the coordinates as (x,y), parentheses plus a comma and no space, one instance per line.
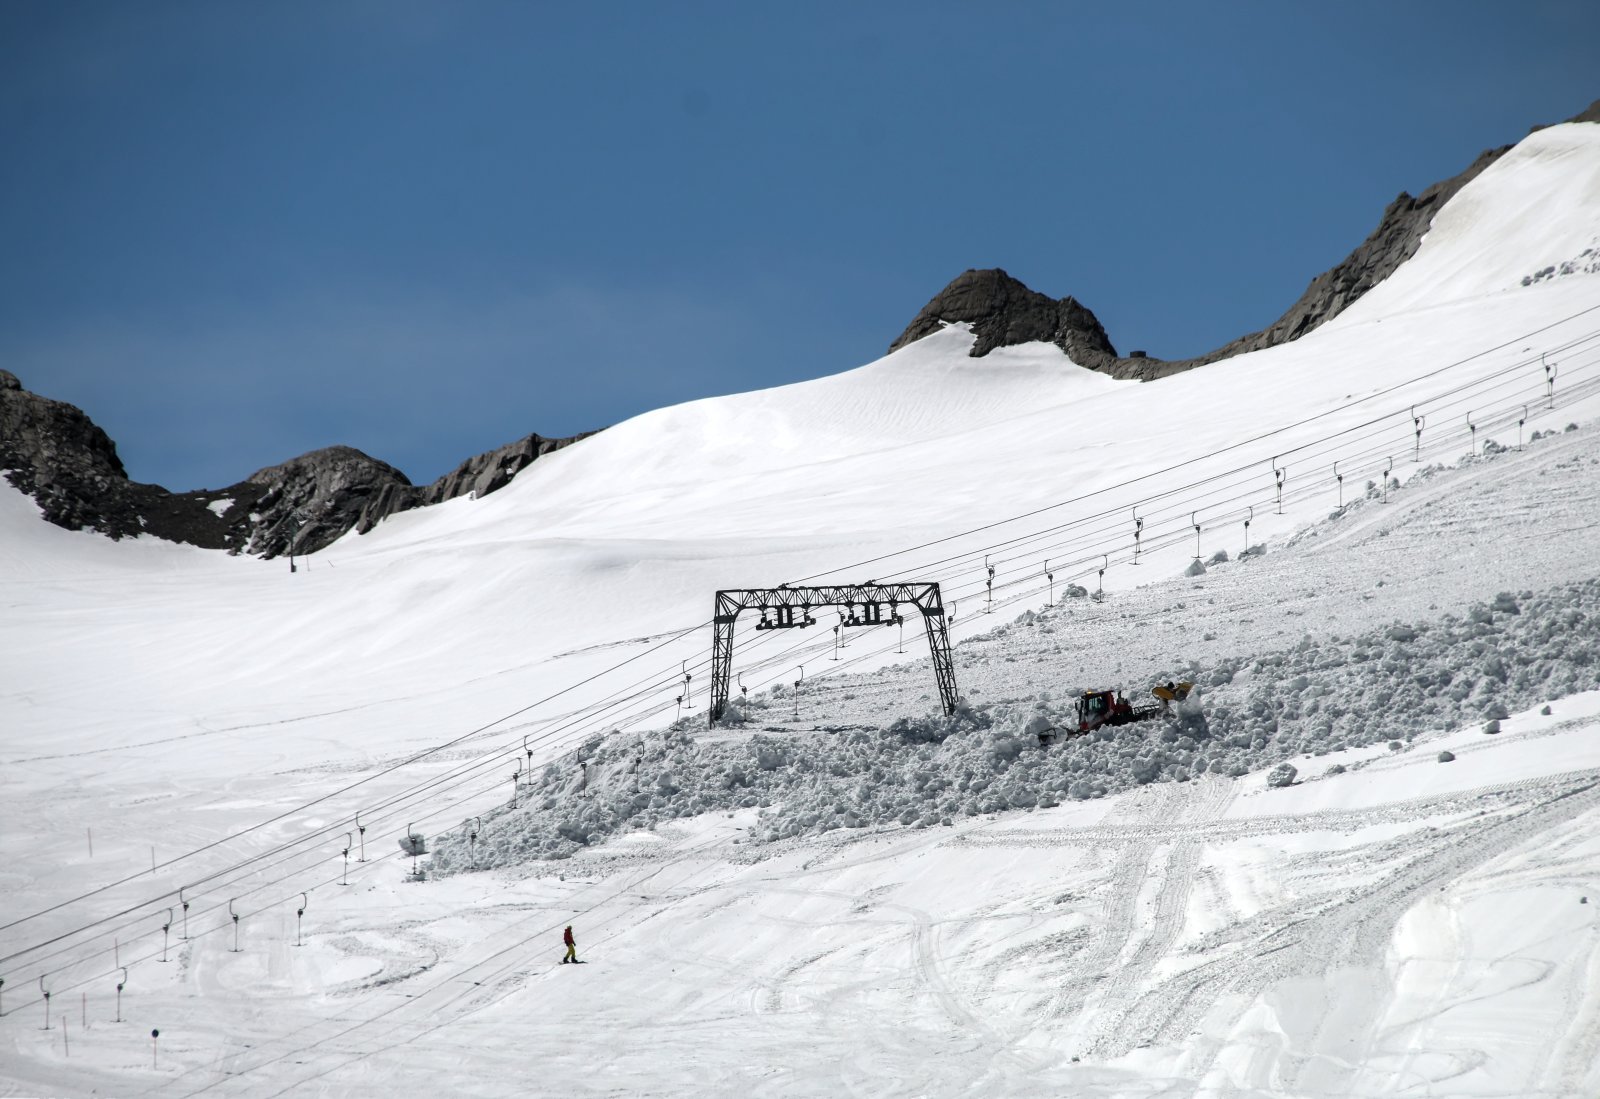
(1004,312)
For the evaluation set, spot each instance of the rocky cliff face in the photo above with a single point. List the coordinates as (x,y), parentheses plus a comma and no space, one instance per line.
(54,453)
(1004,312)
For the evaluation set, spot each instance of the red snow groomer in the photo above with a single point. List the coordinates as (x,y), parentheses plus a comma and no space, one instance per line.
(1097,708)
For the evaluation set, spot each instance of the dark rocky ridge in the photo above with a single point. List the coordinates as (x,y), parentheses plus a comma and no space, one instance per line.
(1004,312)
(54,453)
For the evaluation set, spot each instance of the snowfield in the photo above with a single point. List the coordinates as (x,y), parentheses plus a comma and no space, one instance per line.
(206,763)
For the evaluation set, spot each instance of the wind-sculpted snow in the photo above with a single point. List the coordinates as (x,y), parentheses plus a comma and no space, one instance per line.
(1255,713)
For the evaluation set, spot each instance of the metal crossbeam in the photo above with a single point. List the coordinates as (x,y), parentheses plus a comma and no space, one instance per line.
(786,608)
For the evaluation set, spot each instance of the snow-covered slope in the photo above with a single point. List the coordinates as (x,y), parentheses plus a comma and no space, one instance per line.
(155,699)
(1526,217)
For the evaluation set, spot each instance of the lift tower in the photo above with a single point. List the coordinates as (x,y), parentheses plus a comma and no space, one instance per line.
(789,608)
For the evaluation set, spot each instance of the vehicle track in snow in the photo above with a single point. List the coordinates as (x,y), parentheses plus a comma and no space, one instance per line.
(1220,829)
(1339,929)
(465,984)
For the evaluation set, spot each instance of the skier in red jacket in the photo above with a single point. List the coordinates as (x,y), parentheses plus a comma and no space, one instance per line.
(572,947)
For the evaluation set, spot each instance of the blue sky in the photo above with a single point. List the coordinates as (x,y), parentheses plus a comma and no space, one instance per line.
(235,232)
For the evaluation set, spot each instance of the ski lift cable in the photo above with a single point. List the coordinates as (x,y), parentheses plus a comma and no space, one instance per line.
(1211,502)
(377,814)
(476,732)
(1485,423)
(231,873)
(414,758)
(885,649)
(866,656)
(1246,469)
(511,955)
(397,1005)
(1262,437)
(1032,543)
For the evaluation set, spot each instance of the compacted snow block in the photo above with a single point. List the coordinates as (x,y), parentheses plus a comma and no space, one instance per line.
(1281,775)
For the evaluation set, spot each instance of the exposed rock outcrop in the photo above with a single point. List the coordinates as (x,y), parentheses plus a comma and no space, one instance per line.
(56,454)
(308,502)
(1003,312)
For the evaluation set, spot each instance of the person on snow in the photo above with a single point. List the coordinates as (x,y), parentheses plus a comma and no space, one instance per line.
(1122,710)
(572,946)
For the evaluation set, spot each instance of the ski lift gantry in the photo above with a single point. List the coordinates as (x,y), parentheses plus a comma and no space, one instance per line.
(788,608)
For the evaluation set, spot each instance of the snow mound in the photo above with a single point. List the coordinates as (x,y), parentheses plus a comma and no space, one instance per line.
(1389,685)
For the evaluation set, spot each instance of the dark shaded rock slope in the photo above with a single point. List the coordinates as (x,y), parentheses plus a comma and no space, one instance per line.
(1003,312)
(54,453)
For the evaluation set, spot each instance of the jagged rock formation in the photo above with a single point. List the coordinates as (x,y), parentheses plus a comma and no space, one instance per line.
(1004,312)
(54,453)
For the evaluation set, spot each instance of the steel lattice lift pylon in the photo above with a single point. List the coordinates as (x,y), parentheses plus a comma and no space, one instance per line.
(788,608)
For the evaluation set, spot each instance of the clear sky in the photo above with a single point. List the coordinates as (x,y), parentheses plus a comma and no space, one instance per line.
(234,232)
